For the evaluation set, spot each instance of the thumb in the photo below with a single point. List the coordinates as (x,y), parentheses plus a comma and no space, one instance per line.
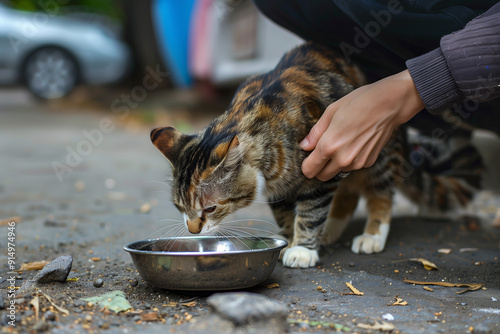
(311,140)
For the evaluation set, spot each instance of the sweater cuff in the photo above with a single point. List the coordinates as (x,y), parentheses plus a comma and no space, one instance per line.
(434,82)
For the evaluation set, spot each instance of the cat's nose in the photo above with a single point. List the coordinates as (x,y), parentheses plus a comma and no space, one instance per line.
(195,226)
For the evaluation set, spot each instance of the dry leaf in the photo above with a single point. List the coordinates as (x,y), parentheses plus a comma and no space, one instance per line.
(171,304)
(153,316)
(444,250)
(470,287)
(59,308)
(354,290)
(189,304)
(428,289)
(37,265)
(464,250)
(383,326)
(428,265)
(273,286)
(5,222)
(398,302)
(35,302)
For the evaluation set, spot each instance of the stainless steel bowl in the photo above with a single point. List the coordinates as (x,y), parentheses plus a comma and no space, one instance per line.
(206,262)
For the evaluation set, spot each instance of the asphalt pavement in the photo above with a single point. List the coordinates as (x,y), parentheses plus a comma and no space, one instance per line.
(80,179)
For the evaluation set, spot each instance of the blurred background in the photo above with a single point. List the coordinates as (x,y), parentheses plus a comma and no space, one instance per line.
(134,56)
(83,82)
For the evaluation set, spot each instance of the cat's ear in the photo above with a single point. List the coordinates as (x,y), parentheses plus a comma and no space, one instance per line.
(169,141)
(230,153)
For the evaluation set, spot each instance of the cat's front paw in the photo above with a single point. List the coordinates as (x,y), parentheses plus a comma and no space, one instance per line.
(300,257)
(368,243)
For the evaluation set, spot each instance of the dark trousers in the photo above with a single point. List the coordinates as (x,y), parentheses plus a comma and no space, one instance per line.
(379,36)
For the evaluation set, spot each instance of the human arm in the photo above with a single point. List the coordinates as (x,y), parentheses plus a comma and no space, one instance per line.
(353,130)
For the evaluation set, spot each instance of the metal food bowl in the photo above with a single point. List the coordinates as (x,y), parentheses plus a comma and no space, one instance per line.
(206,262)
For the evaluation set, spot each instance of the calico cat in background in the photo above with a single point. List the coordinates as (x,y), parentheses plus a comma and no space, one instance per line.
(253,148)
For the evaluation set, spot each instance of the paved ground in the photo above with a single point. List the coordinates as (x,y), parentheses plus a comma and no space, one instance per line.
(110,189)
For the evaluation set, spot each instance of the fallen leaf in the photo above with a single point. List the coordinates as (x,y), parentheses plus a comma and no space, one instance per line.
(152,316)
(428,265)
(171,304)
(444,250)
(354,290)
(73,279)
(37,265)
(5,222)
(35,302)
(188,304)
(114,301)
(428,289)
(273,286)
(463,250)
(398,302)
(57,307)
(383,326)
(470,287)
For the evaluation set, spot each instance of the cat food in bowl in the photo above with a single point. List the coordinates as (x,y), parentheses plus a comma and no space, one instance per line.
(206,262)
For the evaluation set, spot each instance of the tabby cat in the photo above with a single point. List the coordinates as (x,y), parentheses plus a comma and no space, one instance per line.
(253,148)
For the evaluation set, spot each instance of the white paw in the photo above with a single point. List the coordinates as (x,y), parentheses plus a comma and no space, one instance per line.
(300,257)
(368,243)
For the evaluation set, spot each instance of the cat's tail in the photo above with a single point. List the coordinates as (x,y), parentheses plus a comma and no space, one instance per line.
(444,185)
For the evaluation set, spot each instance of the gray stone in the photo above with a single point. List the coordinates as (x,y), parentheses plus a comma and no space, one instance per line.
(57,270)
(244,308)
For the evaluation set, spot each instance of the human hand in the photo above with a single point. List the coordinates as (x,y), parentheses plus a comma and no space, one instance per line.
(353,130)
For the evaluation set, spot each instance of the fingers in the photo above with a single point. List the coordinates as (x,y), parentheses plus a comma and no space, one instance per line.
(311,140)
(313,164)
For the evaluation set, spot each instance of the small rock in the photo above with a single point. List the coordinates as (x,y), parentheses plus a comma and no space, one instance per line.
(49,315)
(134,282)
(79,303)
(98,283)
(57,270)
(244,307)
(4,320)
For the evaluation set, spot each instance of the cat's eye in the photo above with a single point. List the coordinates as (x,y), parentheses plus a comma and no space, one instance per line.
(209,209)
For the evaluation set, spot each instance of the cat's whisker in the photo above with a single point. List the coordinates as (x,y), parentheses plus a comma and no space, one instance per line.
(251,228)
(174,239)
(228,236)
(168,183)
(171,226)
(170,219)
(247,220)
(246,234)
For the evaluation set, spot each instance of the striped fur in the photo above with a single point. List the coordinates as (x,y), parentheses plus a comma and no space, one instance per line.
(256,142)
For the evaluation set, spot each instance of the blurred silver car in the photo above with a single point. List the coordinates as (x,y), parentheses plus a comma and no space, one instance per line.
(50,54)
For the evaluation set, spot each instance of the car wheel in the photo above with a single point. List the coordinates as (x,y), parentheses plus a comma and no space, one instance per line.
(50,73)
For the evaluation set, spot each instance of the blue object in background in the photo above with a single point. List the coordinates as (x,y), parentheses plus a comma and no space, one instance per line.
(171,20)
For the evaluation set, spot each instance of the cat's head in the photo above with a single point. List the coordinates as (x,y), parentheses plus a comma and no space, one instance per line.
(211,178)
